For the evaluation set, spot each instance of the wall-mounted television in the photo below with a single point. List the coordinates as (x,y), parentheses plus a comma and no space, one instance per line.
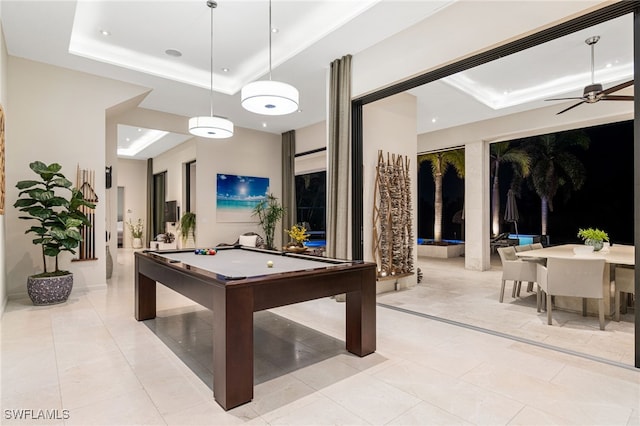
(171,211)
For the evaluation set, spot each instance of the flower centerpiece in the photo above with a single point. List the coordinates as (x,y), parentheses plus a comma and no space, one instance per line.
(298,235)
(593,237)
(136,232)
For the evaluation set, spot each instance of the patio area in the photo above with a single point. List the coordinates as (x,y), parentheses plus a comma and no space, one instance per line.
(469,298)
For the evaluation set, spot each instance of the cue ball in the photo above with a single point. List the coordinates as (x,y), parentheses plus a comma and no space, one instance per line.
(269,264)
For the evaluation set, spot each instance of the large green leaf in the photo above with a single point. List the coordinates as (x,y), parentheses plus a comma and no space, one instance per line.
(38,212)
(51,251)
(61,182)
(37,229)
(74,234)
(72,222)
(58,234)
(24,202)
(24,184)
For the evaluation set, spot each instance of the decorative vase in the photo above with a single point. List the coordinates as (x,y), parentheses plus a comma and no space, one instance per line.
(137,243)
(109,263)
(597,244)
(49,290)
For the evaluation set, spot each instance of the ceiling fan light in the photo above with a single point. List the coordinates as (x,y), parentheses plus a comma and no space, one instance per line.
(211,127)
(269,97)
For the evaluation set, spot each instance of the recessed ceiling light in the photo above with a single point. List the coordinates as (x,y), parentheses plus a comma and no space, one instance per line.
(274,30)
(264,124)
(433,120)
(128,139)
(225,69)
(173,52)
(139,129)
(105,33)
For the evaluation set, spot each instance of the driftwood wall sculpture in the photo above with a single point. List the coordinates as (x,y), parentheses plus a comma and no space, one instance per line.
(392,217)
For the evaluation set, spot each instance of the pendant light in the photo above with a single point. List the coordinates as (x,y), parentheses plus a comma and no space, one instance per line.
(211,126)
(269,97)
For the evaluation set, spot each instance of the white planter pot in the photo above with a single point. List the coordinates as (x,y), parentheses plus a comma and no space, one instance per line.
(137,243)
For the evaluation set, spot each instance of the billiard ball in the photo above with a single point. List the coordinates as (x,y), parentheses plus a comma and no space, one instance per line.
(269,264)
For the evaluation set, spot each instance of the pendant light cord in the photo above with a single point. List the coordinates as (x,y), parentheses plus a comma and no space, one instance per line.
(270,31)
(211,6)
(592,62)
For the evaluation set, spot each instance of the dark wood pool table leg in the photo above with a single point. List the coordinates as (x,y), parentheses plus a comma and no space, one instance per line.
(232,346)
(361,317)
(145,298)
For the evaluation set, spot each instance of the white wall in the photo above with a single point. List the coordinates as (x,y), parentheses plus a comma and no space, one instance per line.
(3,102)
(59,116)
(388,125)
(308,139)
(247,153)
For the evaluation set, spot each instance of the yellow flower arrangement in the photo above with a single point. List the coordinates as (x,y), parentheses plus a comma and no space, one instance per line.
(298,234)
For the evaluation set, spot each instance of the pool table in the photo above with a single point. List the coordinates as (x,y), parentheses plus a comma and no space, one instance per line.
(238,281)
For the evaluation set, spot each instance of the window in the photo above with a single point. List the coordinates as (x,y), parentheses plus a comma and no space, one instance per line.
(311,201)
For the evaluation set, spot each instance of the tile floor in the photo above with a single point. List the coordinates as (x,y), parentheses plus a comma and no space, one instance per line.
(89,362)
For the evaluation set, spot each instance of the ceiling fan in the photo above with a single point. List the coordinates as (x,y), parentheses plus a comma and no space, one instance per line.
(593,92)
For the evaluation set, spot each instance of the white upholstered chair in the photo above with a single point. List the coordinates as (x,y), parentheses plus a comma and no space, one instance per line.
(515,269)
(625,283)
(577,277)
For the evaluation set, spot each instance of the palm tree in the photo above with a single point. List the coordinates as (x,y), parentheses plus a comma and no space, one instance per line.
(440,162)
(504,153)
(555,166)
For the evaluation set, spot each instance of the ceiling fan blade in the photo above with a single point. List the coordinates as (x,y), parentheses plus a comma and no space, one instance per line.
(618,87)
(616,98)
(565,99)
(571,107)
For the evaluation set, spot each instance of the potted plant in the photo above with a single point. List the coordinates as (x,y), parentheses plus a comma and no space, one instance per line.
(188,226)
(269,212)
(298,235)
(58,216)
(593,237)
(136,232)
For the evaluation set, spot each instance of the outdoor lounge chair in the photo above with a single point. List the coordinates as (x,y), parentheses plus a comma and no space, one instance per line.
(503,240)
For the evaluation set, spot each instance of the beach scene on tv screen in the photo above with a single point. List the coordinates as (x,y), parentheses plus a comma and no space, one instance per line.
(237,196)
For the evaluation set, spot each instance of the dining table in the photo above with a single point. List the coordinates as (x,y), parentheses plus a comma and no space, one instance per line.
(614,255)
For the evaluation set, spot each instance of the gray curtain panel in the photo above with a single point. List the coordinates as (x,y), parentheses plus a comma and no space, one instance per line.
(288,182)
(338,185)
(149,221)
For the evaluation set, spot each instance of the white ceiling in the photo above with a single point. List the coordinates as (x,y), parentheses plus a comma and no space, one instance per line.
(310,35)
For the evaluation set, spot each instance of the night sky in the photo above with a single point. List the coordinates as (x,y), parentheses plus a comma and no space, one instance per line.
(605,200)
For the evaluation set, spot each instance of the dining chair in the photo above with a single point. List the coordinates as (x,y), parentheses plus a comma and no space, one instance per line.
(571,277)
(625,283)
(528,247)
(516,270)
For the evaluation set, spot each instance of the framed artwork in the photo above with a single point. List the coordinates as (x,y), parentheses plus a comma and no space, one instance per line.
(237,196)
